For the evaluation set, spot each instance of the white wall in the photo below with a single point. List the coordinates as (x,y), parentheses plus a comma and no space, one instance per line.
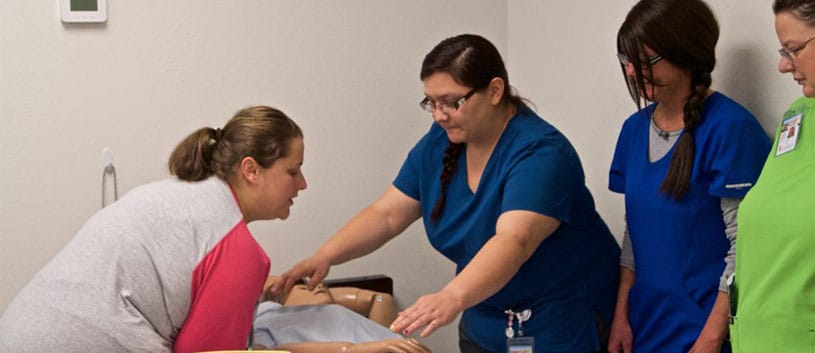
(562,57)
(346,71)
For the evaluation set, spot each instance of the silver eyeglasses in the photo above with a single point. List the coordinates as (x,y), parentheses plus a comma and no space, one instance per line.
(790,54)
(446,107)
(624,60)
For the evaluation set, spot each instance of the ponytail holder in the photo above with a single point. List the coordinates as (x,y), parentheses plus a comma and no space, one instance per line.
(215,136)
(218,134)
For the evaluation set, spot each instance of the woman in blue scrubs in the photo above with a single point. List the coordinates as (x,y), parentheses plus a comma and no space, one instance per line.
(502,194)
(684,161)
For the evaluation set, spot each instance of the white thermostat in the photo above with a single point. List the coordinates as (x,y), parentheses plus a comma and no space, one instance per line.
(84,10)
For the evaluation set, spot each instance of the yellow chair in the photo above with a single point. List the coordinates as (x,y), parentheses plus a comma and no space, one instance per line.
(245,351)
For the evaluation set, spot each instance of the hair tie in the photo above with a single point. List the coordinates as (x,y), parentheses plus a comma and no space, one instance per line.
(215,136)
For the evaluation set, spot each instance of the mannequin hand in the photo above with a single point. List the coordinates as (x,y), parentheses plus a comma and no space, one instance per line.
(313,267)
(397,345)
(620,338)
(430,311)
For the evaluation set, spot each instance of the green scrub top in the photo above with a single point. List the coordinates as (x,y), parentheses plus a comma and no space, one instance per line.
(774,287)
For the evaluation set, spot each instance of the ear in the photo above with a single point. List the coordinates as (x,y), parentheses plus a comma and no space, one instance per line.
(249,170)
(495,90)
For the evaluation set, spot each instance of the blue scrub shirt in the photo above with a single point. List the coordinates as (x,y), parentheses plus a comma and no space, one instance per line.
(680,245)
(571,276)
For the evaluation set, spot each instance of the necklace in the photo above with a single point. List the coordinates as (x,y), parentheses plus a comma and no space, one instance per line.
(665,135)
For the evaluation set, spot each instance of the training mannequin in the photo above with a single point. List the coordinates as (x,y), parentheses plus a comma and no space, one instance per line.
(342,319)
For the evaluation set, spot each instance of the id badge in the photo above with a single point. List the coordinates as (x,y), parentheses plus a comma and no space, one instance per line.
(788,138)
(523,344)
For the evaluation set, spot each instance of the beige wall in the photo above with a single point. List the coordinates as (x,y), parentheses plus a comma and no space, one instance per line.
(346,71)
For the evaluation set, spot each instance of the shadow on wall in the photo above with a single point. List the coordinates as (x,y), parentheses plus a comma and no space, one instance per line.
(747,81)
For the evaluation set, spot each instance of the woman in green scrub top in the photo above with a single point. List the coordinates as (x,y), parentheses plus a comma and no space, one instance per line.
(774,287)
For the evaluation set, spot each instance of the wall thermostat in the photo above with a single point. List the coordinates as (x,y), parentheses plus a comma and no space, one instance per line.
(84,10)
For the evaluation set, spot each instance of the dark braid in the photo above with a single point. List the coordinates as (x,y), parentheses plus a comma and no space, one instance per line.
(448,170)
(684,33)
(677,181)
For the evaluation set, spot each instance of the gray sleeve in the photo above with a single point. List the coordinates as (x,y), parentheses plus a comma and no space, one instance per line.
(627,253)
(730,207)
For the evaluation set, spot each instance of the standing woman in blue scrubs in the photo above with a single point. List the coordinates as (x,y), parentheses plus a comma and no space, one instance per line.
(684,162)
(502,194)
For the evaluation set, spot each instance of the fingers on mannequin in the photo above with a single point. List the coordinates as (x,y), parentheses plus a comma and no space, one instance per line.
(402,321)
(422,321)
(316,278)
(282,285)
(413,320)
(283,282)
(429,329)
(275,287)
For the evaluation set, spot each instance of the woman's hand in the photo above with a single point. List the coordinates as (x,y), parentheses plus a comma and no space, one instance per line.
(706,346)
(430,311)
(711,338)
(314,269)
(620,338)
(396,345)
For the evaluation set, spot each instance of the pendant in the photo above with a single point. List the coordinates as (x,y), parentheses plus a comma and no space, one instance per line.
(509,332)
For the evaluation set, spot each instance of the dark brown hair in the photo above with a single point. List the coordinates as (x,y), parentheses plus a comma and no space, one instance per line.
(260,132)
(683,32)
(472,61)
(804,10)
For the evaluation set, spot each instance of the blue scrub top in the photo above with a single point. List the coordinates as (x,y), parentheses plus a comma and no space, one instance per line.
(571,276)
(680,245)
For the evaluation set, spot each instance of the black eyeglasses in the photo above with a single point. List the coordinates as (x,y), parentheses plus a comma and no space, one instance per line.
(446,107)
(624,60)
(790,54)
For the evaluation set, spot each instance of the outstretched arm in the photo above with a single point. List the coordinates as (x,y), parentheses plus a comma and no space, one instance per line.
(518,234)
(367,231)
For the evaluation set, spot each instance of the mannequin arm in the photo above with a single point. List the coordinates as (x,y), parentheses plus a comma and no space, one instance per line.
(407,345)
(377,306)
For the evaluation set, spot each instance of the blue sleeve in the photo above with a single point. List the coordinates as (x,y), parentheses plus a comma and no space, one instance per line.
(740,150)
(407,181)
(544,179)
(616,175)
